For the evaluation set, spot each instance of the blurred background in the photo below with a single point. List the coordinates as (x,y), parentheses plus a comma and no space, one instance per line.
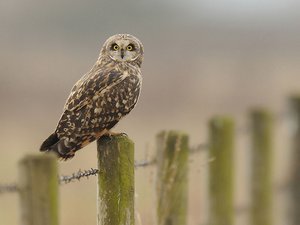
(202,58)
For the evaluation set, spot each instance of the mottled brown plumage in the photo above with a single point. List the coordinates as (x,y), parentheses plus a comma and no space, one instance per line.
(104,95)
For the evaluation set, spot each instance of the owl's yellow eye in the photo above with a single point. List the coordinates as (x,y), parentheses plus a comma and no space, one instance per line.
(115,47)
(130,47)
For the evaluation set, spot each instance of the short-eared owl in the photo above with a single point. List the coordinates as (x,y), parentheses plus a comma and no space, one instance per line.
(100,98)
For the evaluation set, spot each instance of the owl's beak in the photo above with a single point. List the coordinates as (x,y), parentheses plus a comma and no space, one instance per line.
(122,53)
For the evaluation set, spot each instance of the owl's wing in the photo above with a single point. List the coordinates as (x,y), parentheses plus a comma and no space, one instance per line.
(89,86)
(81,100)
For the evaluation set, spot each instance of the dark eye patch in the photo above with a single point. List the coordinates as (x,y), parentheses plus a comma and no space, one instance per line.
(131,47)
(114,47)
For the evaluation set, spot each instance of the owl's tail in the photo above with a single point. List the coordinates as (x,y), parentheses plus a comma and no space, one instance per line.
(54,144)
(49,142)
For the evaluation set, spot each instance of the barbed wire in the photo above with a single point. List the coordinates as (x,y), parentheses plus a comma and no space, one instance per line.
(77,176)
(145,163)
(65,179)
(8,188)
(199,148)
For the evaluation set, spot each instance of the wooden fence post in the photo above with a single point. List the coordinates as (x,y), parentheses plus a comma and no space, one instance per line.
(261,187)
(38,186)
(295,178)
(172,160)
(115,181)
(221,174)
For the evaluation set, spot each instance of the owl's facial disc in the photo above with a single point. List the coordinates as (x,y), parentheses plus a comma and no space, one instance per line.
(123,50)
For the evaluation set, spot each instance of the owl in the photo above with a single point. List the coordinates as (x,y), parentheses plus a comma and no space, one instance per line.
(103,96)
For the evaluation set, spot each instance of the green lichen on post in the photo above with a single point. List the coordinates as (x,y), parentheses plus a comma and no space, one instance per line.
(115,181)
(295,164)
(221,171)
(172,182)
(262,160)
(38,187)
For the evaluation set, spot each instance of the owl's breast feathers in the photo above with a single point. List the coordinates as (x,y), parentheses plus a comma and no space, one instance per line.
(96,103)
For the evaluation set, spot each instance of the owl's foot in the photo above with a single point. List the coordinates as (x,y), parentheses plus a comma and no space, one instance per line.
(110,134)
(123,134)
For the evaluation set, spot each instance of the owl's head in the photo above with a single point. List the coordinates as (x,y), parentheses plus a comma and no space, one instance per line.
(123,48)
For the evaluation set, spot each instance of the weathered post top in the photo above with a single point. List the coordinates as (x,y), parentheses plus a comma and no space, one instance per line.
(115,180)
(38,186)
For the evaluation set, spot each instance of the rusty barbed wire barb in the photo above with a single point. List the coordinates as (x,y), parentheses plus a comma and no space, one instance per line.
(8,188)
(78,175)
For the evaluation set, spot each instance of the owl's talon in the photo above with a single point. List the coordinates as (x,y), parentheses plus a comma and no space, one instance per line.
(123,134)
(110,134)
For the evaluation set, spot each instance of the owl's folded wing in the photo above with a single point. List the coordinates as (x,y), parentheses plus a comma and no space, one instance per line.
(88,87)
